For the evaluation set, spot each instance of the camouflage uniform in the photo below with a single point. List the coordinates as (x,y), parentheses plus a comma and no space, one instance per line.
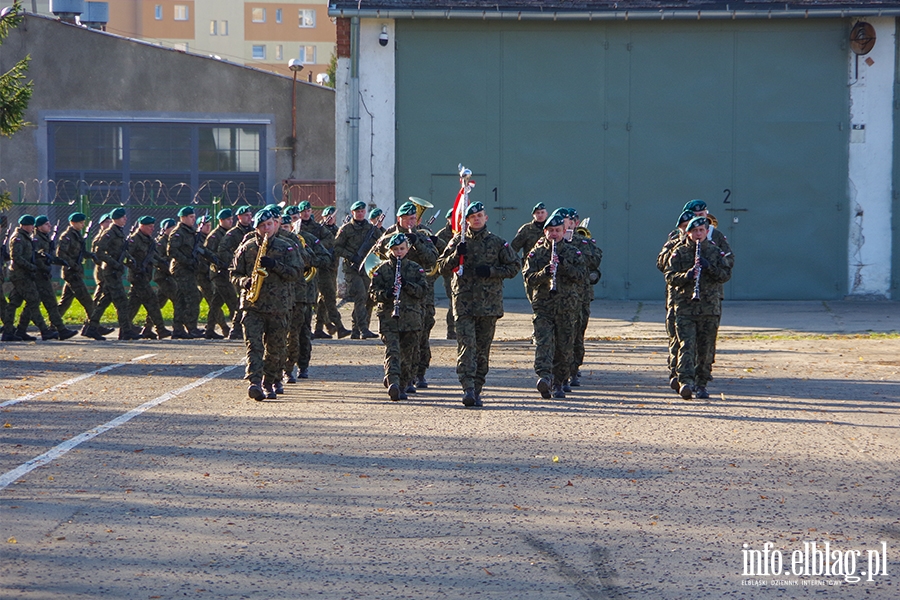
(400,335)
(23,272)
(348,245)
(327,314)
(111,251)
(5,317)
(477,301)
(165,286)
(44,253)
(183,250)
(592,257)
(143,257)
(214,315)
(71,249)
(697,322)
(662,260)
(225,251)
(423,252)
(556,313)
(223,290)
(299,345)
(265,321)
(446,234)
(524,240)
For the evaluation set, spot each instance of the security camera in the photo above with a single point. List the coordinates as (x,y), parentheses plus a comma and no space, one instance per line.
(383,38)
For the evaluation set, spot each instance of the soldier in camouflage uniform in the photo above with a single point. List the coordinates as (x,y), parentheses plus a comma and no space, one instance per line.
(215,315)
(675,237)
(72,251)
(420,250)
(477,297)
(327,315)
(353,242)
(111,250)
(554,273)
(445,235)
(265,319)
(697,321)
(223,290)
(529,234)
(9,329)
(592,256)
(143,257)
(162,277)
(45,251)
(399,333)
(23,273)
(184,250)
(226,250)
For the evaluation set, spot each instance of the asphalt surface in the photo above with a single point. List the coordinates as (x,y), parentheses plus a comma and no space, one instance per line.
(142,470)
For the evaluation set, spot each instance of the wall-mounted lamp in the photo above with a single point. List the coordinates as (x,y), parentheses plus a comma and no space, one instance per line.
(383,38)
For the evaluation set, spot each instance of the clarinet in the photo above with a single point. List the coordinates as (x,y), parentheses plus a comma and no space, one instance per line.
(554,265)
(398,283)
(697,269)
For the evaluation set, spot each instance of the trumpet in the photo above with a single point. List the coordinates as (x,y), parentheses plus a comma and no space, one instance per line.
(308,272)
(697,269)
(259,274)
(554,265)
(398,283)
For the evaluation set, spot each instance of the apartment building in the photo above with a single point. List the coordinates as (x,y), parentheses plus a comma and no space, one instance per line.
(265,35)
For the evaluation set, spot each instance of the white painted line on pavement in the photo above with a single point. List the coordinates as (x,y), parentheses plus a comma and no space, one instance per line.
(57,451)
(69,382)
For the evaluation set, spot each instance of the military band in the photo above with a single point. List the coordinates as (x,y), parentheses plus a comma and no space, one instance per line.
(292,284)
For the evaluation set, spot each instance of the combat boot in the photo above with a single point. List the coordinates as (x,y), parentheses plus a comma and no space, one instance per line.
(146,333)
(270,393)
(354,335)
(702,394)
(210,334)
(673,383)
(318,334)
(289,377)
(575,379)
(237,333)
(66,333)
(196,333)
(468,398)
(565,386)
(558,392)
(303,374)
(128,335)
(543,386)
(162,332)
(104,330)
(394,392)
(23,333)
(421,383)
(278,387)
(686,391)
(367,335)
(9,335)
(49,334)
(180,333)
(342,333)
(91,331)
(256,392)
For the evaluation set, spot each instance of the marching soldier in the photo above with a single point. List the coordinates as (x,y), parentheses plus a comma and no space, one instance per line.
(315,256)
(9,329)
(477,296)
(696,272)
(398,296)
(226,249)
(143,257)
(353,242)
(592,256)
(376,218)
(183,250)
(111,251)
(327,315)
(676,237)
(215,315)
(420,250)
(23,274)
(265,301)
(72,251)
(529,233)
(445,235)
(45,253)
(223,290)
(165,286)
(554,273)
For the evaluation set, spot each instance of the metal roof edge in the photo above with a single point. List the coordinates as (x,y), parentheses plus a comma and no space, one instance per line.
(614,15)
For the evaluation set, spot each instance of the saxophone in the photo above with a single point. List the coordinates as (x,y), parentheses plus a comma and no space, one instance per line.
(258,276)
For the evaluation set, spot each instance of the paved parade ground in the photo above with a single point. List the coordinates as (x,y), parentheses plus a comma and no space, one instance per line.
(142,470)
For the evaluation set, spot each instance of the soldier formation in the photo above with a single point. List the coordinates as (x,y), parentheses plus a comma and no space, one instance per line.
(274,272)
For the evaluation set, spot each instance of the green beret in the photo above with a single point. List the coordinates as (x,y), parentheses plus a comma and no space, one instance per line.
(396,240)
(554,220)
(358,205)
(286,219)
(475,207)
(262,216)
(694,206)
(274,209)
(697,222)
(166,223)
(242,210)
(117,213)
(26,220)
(291,210)
(104,217)
(573,214)
(41,220)
(185,211)
(225,213)
(685,217)
(538,206)
(204,219)
(375,213)
(407,208)
(77,217)
(147,220)
(305,205)
(449,214)
(328,210)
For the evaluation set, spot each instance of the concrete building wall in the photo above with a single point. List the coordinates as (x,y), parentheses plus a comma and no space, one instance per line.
(88,73)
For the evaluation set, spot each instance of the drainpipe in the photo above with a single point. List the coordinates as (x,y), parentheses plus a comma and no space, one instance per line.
(354,110)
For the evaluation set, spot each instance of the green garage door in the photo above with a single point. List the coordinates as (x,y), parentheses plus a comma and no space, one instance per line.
(626,122)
